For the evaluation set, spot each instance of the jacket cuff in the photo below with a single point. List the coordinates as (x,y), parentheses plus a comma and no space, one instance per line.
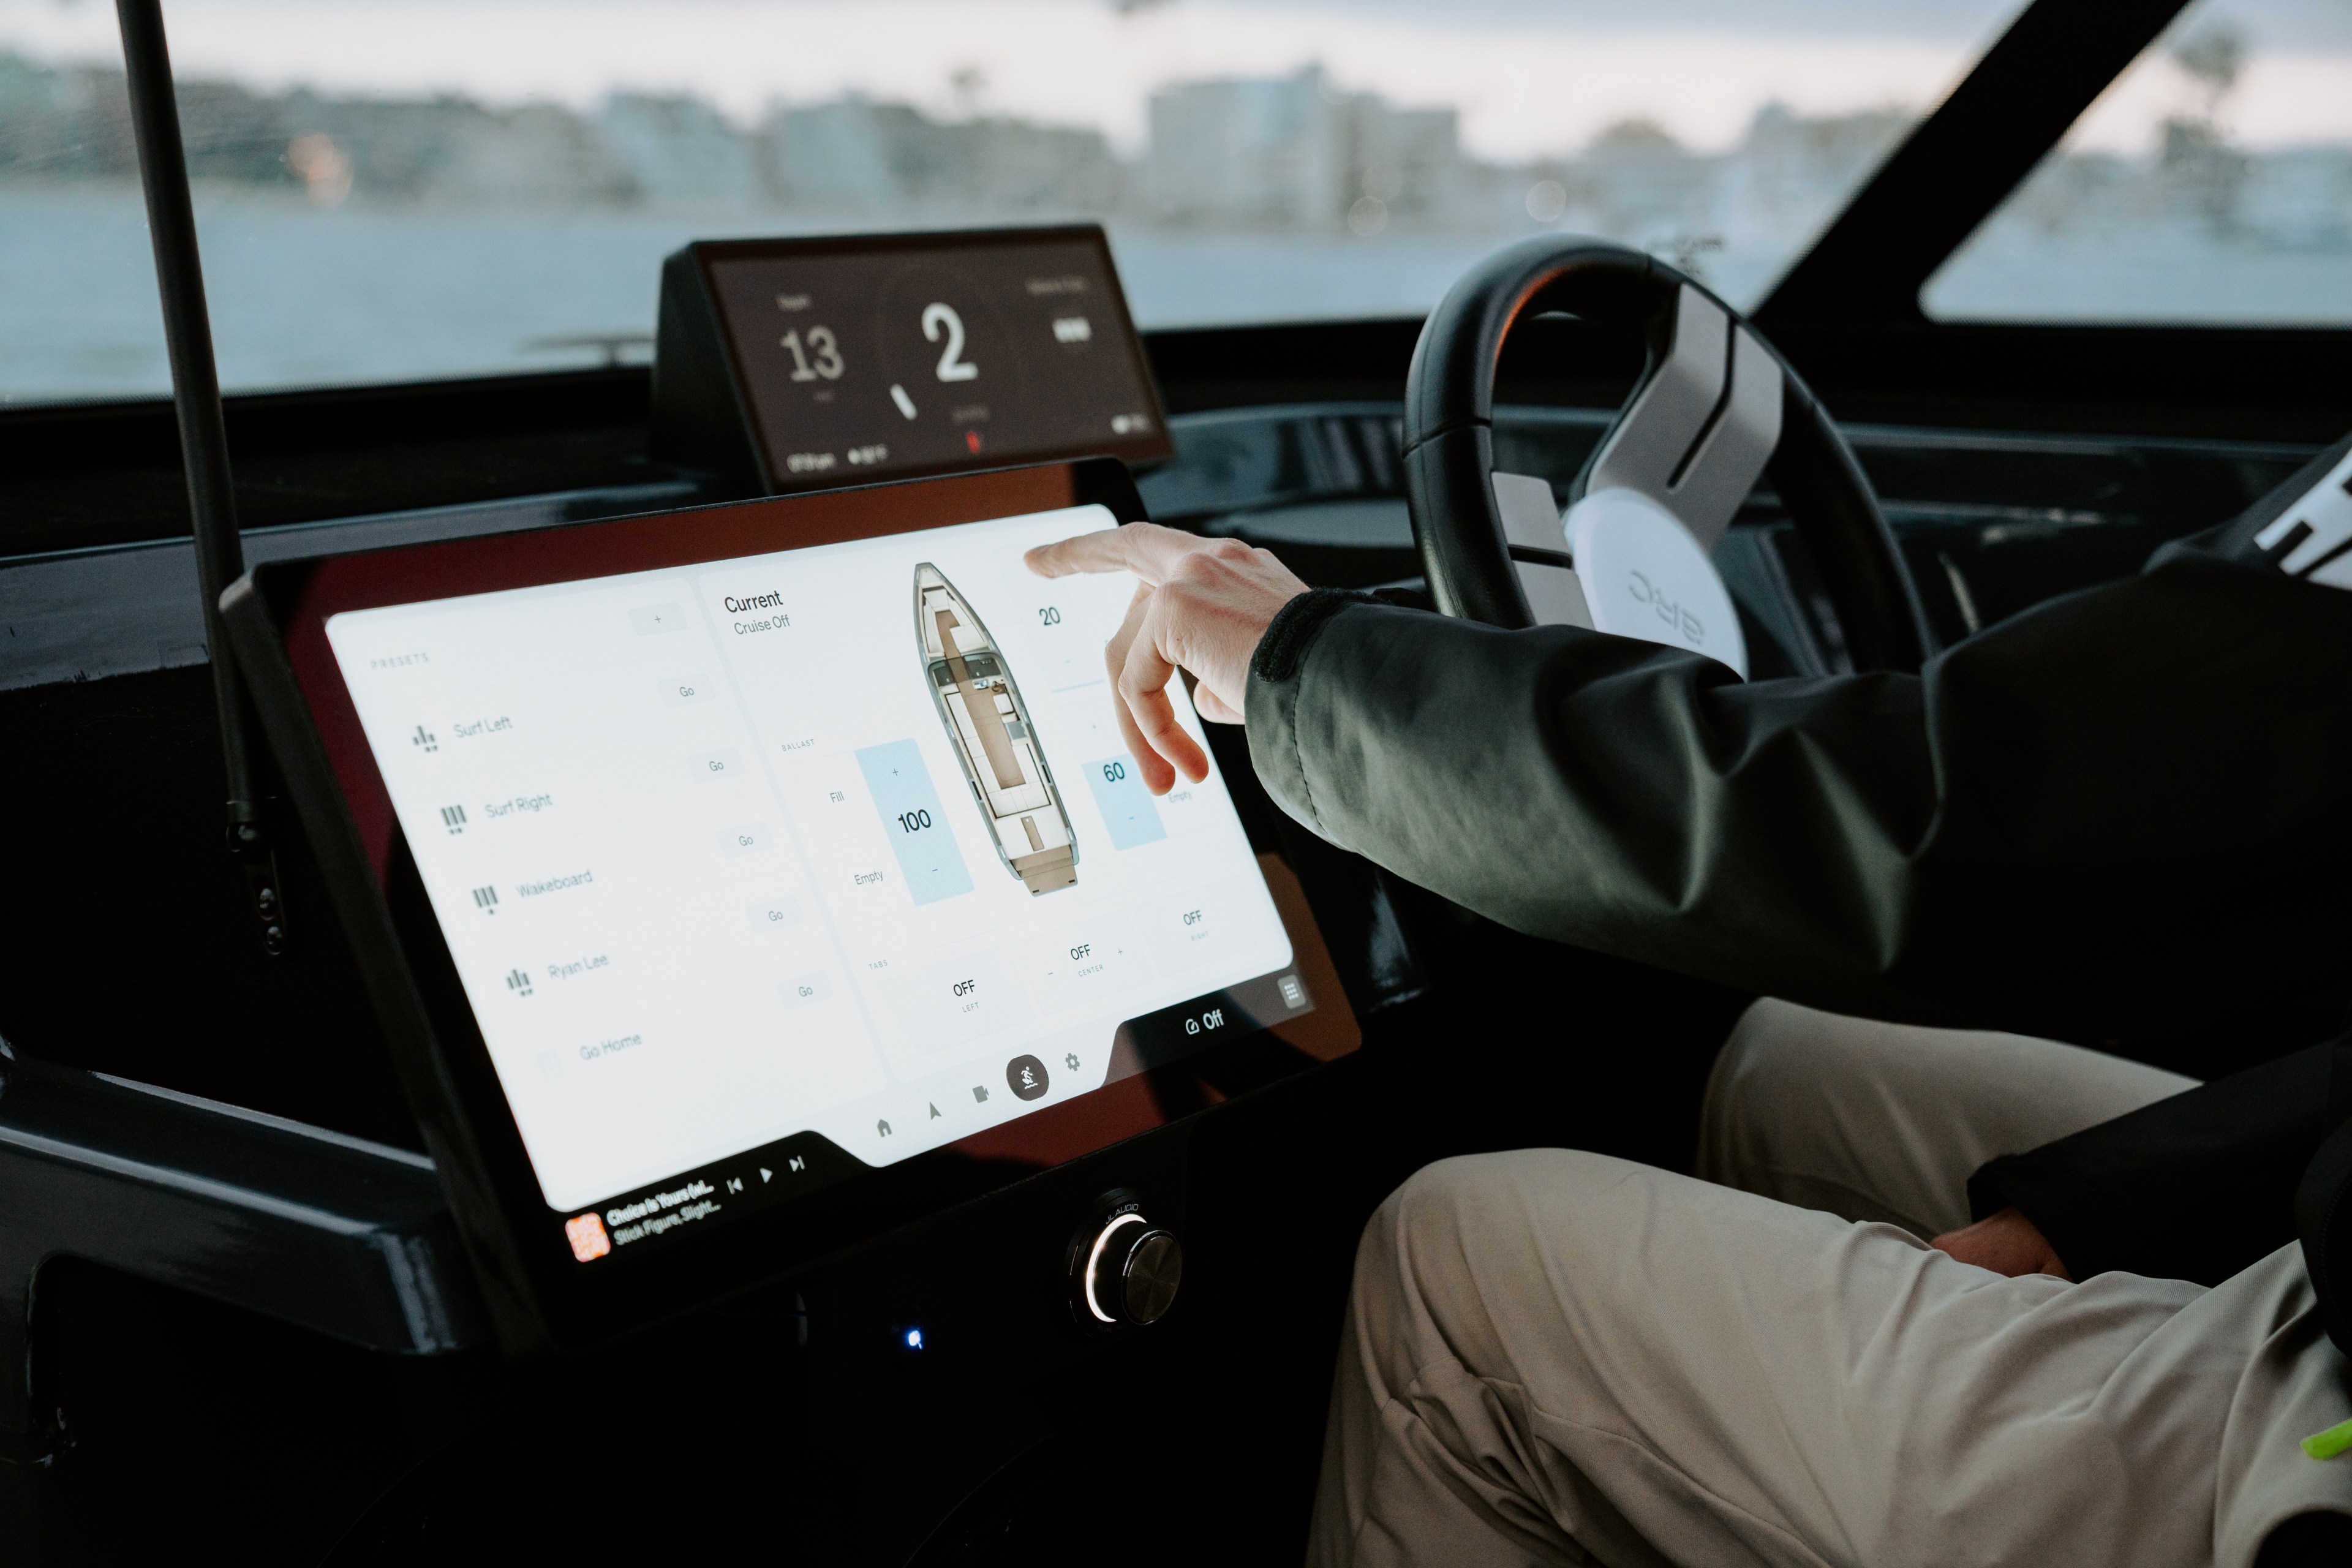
(1284,647)
(1270,706)
(2198,1185)
(2080,1222)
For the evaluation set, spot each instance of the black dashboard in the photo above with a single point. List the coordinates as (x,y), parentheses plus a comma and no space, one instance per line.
(237,1264)
(1285,436)
(105,643)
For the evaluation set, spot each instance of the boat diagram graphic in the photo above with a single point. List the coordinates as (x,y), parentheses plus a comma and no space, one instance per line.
(989,727)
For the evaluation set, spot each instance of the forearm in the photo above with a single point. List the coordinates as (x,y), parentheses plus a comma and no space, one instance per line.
(2024,838)
(2195,1188)
(1607,792)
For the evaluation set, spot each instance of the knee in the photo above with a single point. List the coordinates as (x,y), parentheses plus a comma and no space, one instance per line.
(1766,1081)
(1448,1190)
(1472,1244)
(1459,1209)
(1769,1048)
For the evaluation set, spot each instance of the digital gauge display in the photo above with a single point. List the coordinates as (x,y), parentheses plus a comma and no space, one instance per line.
(858,358)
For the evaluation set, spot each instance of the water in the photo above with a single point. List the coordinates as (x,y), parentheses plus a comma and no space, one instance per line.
(304,296)
(2152,272)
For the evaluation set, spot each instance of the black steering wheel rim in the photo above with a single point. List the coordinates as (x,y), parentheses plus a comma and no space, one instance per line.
(1449,446)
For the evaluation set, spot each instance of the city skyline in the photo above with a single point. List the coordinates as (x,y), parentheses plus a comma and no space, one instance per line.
(1526,81)
(1290,153)
(488,234)
(1293,152)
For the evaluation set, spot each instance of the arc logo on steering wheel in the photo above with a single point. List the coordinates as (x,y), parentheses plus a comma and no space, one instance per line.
(1716,409)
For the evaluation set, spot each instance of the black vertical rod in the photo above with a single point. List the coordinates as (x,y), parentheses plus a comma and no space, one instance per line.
(204,432)
(188,331)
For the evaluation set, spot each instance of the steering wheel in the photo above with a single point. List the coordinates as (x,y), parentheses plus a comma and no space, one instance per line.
(1714,408)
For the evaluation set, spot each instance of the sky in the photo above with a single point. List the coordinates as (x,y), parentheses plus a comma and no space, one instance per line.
(1529,77)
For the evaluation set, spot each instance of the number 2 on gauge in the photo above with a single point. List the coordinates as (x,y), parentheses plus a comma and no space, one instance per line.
(828,354)
(953,366)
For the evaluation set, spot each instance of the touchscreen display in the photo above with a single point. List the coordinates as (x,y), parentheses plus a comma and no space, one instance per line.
(861,362)
(760,872)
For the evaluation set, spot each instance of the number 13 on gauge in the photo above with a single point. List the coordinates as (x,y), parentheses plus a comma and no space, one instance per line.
(827,364)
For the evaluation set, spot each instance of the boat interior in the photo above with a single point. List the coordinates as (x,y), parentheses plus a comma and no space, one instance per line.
(234,1304)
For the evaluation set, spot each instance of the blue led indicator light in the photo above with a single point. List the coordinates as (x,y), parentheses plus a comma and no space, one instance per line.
(914,1339)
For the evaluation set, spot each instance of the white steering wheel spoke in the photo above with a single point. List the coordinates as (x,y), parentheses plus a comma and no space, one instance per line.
(1698,435)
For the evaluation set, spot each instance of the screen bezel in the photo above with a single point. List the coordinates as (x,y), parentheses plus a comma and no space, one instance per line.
(1155,447)
(537,1291)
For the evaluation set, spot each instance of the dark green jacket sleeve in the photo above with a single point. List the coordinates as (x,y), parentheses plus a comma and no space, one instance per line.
(2195,1188)
(2119,813)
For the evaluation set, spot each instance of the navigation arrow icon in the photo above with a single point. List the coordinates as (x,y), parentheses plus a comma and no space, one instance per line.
(766,1174)
(935,1113)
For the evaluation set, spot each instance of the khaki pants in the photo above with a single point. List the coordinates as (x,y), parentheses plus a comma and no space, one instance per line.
(1561,1357)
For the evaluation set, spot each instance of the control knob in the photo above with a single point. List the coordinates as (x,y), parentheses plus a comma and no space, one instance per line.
(1124,1268)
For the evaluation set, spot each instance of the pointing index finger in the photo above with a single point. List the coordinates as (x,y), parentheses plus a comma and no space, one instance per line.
(1146,548)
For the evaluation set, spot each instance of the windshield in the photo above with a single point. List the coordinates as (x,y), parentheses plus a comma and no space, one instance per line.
(405,189)
(2212,182)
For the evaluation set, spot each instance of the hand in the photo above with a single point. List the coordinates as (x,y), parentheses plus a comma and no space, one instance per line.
(1203,607)
(2007,1243)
